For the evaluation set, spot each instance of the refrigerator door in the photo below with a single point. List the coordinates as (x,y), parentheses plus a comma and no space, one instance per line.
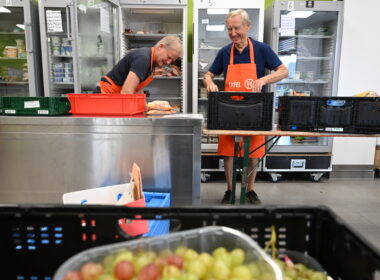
(58,47)
(97,29)
(144,24)
(307,39)
(17,52)
(210,35)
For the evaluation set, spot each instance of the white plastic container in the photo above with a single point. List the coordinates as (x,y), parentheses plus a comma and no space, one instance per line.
(204,239)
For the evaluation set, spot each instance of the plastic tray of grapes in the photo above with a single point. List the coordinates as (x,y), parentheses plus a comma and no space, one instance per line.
(212,252)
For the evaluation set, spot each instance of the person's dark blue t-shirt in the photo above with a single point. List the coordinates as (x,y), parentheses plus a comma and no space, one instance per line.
(265,58)
(137,61)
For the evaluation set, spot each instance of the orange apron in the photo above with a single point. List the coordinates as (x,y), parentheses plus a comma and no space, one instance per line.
(240,77)
(111,87)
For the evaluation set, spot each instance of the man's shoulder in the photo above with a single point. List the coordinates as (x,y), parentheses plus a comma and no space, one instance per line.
(226,48)
(259,45)
(140,52)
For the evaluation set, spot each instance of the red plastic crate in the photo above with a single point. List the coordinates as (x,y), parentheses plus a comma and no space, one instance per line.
(107,104)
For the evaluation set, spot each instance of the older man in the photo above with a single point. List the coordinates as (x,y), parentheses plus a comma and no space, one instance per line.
(243,60)
(134,71)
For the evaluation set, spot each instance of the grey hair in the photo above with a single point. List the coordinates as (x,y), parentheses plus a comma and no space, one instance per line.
(171,42)
(242,13)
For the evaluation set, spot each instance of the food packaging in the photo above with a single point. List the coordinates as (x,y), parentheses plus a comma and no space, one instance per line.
(129,194)
(204,239)
(11,52)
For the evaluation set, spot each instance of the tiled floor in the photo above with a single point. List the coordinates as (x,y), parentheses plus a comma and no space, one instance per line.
(357,201)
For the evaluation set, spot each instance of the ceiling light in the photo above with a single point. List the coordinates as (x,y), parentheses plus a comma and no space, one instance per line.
(300,14)
(218,11)
(152,12)
(215,27)
(4,10)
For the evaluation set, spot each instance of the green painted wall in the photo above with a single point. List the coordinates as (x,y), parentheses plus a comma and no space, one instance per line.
(190,30)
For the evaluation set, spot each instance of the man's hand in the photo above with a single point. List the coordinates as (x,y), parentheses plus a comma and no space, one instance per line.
(208,82)
(258,85)
(212,87)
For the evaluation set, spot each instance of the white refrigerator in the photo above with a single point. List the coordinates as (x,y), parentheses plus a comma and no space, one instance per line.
(79,43)
(307,36)
(143,24)
(20,54)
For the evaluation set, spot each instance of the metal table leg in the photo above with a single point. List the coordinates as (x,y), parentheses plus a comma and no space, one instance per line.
(244,178)
(237,139)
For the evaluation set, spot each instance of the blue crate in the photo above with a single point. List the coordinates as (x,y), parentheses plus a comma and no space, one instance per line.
(154,199)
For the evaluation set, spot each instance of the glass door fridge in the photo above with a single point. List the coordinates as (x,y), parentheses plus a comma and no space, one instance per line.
(144,23)
(80,43)
(20,67)
(210,35)
(307,37)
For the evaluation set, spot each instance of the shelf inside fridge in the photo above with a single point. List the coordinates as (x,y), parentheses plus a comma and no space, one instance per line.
(148,36)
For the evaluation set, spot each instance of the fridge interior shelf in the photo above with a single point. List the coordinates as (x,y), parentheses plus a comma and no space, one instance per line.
(12,58)
(167,78)
(12,33)
(310,36)
(62,56)
(287,81)
(14,83)
(313,58)
(147,37)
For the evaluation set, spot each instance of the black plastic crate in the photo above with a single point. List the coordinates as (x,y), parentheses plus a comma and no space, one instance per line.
(35,106)
(367,115)
(35,240)
(330,114)
(252,112)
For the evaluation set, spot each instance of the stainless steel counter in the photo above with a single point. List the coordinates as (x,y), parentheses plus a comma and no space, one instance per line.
(43,157)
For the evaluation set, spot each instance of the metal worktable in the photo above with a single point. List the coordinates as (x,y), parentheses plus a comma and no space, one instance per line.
(275,134)
(43,157)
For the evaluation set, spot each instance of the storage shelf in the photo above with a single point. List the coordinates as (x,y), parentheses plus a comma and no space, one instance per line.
(215,78)
(60,56)
(167,78)
(288,81)
(313,58)
(94,57)
(12,33)
(12,58)
(13,83)
(64,84)
(210,49)
(310,36)
(147,37)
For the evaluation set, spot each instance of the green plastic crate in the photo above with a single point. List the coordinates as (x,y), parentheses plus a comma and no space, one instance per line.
(35,106)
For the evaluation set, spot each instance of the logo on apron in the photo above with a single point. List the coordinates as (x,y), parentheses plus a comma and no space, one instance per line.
(248,83)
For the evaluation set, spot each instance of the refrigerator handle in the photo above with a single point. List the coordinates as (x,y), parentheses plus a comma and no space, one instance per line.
(275,40)
(28,37)
(69,36)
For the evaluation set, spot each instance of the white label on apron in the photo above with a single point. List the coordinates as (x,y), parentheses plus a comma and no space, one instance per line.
(291,6)
(43,112)
(32,104)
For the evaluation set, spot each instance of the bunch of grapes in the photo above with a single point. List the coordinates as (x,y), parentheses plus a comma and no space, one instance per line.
(180,264)
(299,271)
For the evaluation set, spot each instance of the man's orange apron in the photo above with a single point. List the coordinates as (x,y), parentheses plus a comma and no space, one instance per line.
(111,87)
(239,78)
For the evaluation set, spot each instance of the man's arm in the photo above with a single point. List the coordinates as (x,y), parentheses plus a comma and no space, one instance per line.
(130,83)
(281,72)
(209,83)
